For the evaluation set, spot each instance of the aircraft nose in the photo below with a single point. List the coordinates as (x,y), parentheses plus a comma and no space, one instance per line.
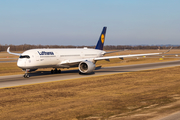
(20,63)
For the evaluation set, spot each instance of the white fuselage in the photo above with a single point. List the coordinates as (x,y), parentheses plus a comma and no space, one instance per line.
(44,58)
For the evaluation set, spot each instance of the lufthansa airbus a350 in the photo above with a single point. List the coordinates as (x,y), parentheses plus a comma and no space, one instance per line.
(83,58)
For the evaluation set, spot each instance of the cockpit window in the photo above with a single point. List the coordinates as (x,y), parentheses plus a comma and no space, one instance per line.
(24,56)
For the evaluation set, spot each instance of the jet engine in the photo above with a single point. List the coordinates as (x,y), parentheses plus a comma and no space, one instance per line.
(86,67)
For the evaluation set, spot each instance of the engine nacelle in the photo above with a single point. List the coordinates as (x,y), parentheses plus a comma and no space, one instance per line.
(86,67)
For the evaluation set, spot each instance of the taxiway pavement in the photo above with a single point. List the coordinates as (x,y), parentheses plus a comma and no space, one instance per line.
(174,116)
(46,76)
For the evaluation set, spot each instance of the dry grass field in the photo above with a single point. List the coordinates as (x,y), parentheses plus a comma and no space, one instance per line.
(116,97)
(4,54)
(11,68)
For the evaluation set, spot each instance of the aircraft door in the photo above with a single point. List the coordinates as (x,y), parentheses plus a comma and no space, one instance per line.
(37,57)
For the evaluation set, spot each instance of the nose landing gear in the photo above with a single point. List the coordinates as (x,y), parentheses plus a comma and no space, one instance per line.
(26,75)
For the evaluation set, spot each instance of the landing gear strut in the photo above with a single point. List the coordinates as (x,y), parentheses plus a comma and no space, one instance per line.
(26,75)
(55,71)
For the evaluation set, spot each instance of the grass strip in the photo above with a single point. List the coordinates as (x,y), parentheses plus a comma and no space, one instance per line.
(93,97)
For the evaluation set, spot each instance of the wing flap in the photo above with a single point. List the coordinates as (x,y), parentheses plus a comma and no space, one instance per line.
(115,51)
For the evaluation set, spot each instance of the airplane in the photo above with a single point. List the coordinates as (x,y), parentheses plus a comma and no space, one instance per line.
(83,58)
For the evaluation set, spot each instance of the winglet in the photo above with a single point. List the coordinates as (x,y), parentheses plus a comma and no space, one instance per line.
(167,51)
(101,40)
(8,50)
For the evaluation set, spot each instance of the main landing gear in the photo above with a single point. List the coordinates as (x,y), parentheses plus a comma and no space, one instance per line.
(55,71)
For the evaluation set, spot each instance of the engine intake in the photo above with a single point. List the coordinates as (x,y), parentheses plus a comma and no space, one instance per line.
(86,67)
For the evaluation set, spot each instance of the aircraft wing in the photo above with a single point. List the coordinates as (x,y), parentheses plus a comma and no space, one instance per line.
(132,55)
(76,61)
(8,50)
(125,56)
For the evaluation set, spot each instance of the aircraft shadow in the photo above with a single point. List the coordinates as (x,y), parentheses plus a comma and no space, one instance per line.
(40,73)
(97,70)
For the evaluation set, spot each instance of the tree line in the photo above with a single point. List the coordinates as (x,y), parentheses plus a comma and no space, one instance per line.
(106,47)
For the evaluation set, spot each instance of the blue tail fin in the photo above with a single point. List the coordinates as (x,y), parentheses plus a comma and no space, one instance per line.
(101,40)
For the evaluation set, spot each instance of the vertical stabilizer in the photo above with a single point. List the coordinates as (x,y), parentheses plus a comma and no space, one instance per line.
(101,40)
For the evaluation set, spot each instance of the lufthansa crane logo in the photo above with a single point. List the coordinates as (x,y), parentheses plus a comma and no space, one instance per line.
(102,38)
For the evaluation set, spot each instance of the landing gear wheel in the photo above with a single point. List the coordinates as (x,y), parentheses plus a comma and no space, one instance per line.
(26,75)
(59,71)
(55,71)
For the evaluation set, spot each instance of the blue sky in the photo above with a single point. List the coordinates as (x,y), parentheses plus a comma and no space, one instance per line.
(79,22)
